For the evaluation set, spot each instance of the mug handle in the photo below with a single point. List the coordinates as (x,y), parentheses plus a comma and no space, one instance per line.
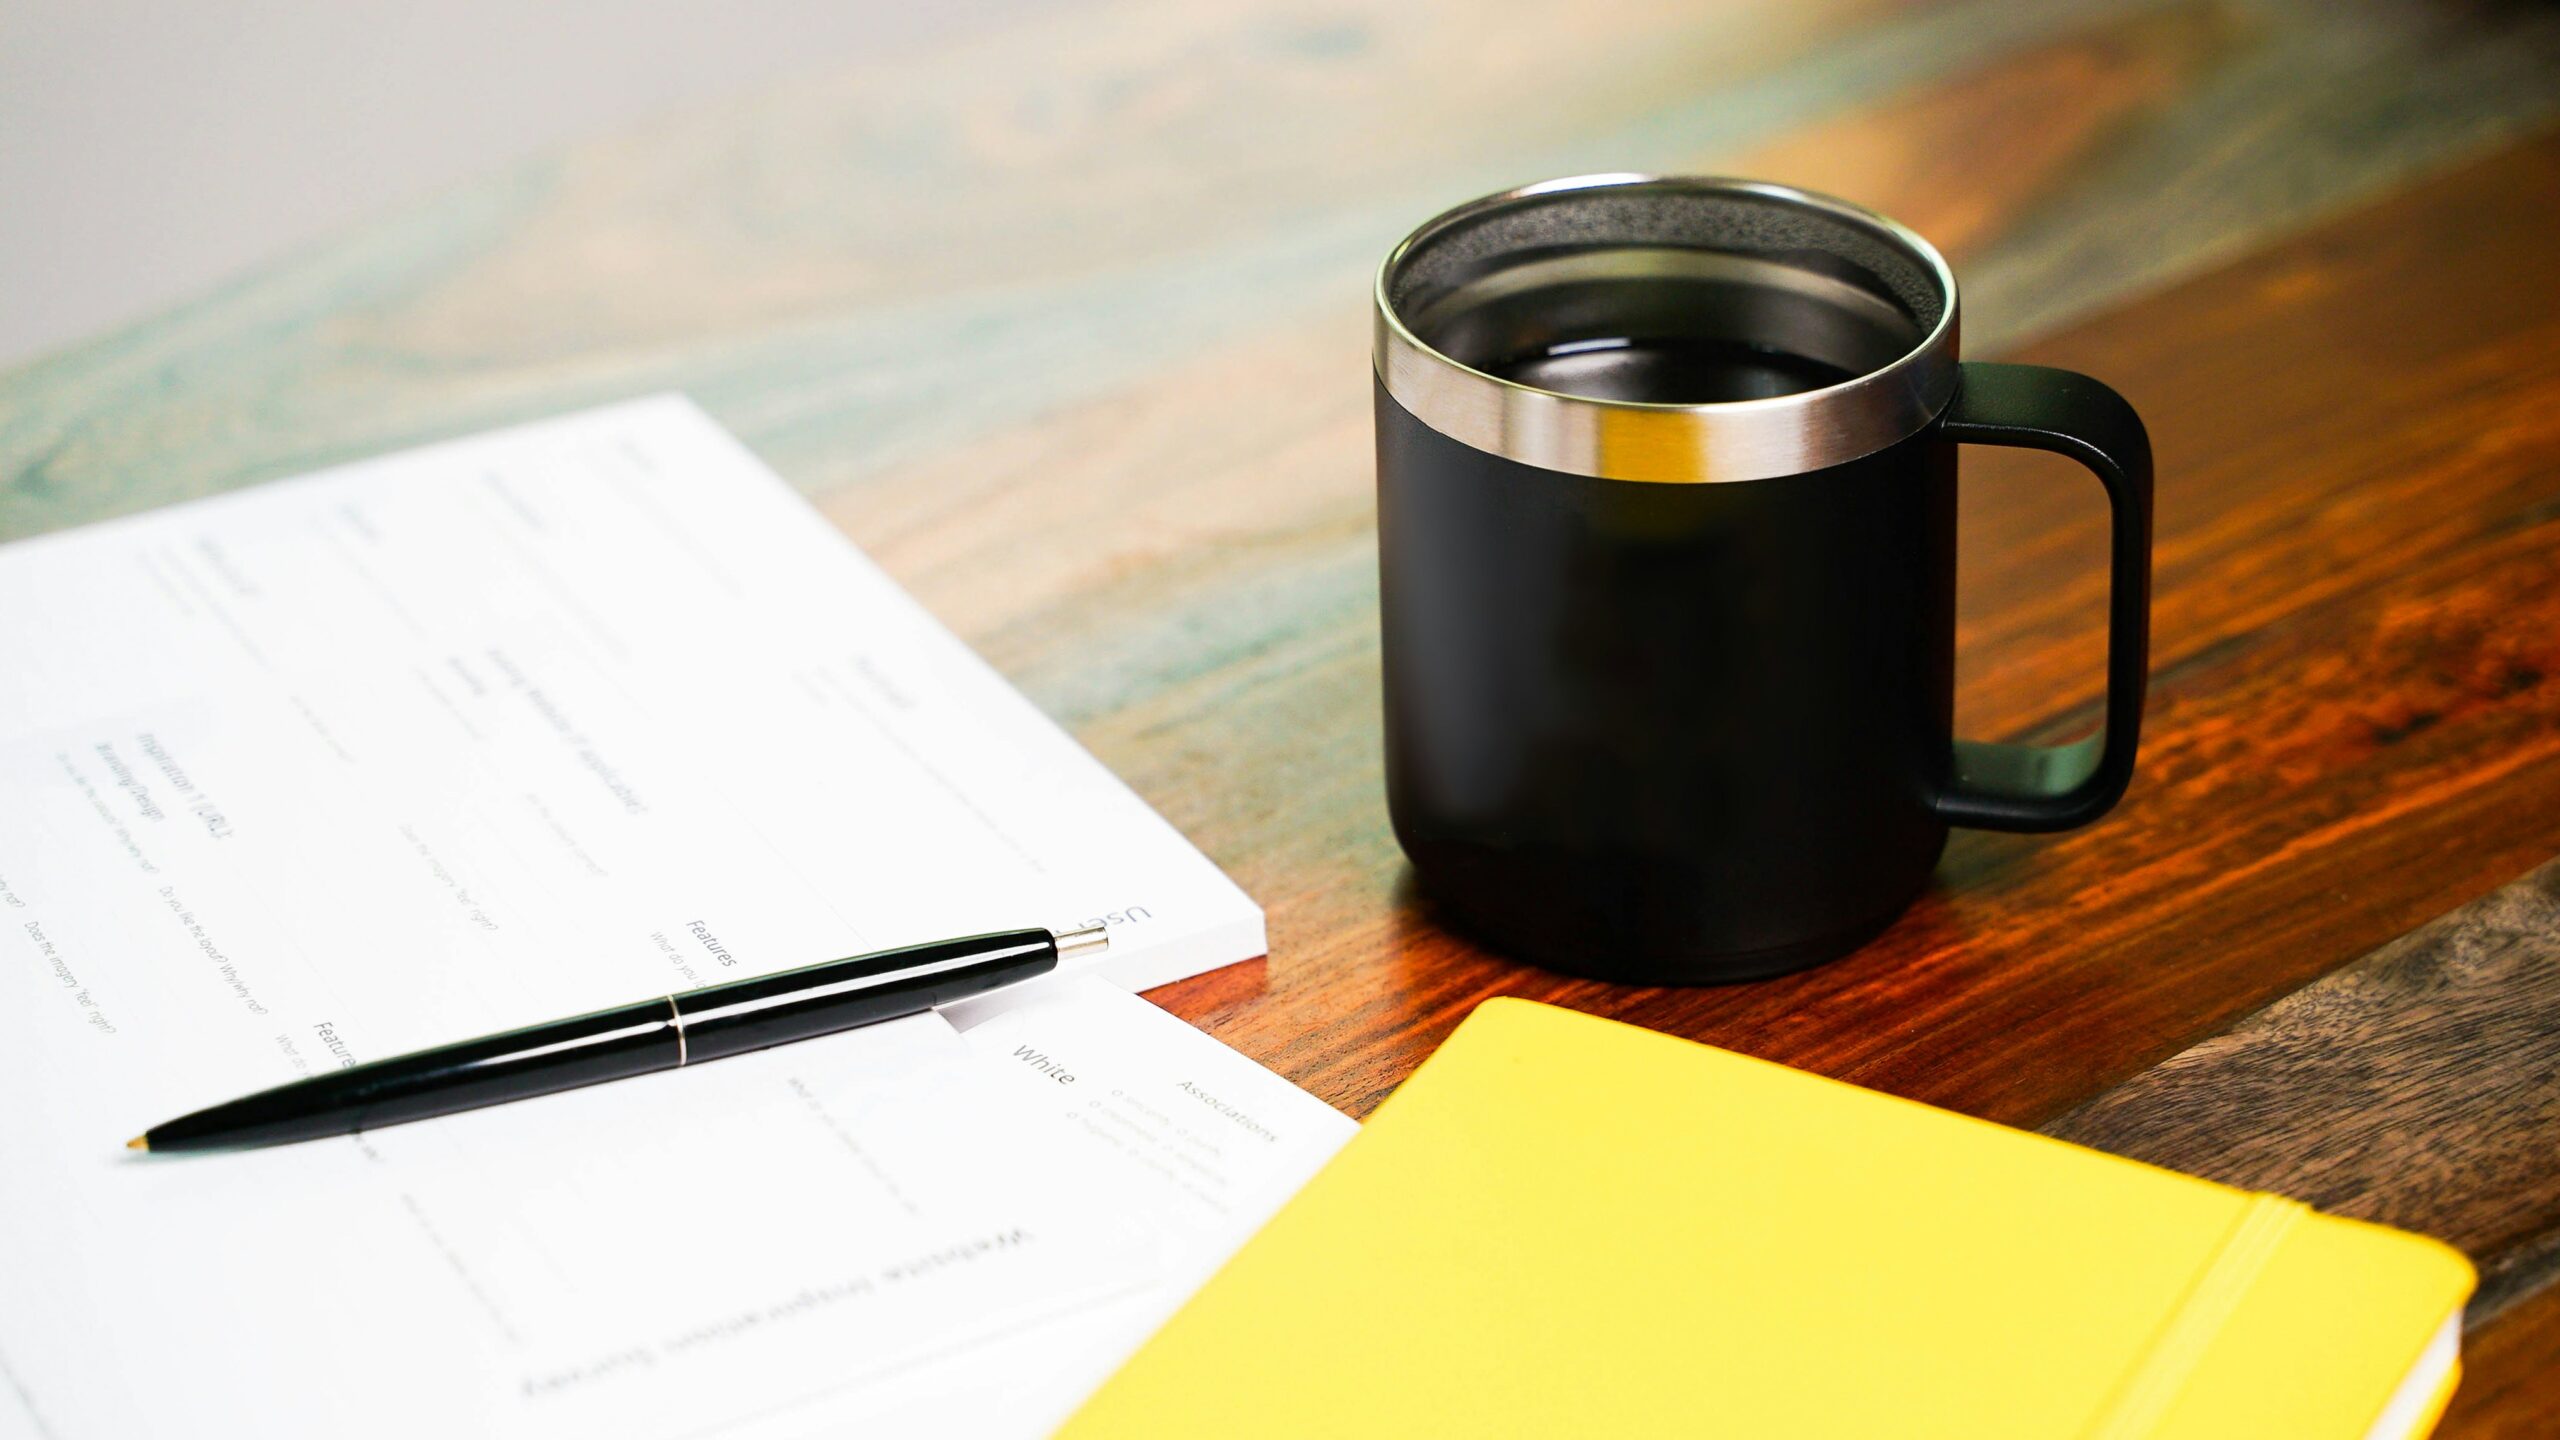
(2056,787)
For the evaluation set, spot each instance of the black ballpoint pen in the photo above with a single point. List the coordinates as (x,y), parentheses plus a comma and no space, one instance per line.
(663,1033)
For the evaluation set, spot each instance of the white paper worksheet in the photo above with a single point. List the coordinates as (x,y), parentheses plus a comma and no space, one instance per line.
(1184,1140)
(488,733)
(1187,1141)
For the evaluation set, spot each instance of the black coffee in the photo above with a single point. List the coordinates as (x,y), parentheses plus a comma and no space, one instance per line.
(1677,371)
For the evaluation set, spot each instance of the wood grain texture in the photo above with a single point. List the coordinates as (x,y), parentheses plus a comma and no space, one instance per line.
(880,267)
(2417,1087)
(2508,1390)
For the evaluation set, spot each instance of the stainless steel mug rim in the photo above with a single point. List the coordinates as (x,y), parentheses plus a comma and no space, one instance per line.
(1732,440)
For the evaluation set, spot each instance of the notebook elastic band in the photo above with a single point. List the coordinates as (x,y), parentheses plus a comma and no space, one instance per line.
(2180,1346)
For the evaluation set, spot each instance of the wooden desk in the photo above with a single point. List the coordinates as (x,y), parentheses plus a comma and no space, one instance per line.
(1067,325)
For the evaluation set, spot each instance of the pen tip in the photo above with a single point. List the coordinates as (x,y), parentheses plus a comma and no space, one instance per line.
(138,1142)
(1086,939)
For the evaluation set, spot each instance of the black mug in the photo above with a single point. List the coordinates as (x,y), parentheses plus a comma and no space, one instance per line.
(1667,548)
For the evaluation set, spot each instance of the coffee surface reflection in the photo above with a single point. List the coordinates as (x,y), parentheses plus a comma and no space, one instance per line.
(1679,370)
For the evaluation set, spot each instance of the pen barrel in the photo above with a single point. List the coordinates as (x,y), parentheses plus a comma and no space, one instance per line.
(536,1060)
(658,1034)
(817,1000)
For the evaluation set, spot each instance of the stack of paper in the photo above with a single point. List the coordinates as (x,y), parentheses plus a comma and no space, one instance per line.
(522,726)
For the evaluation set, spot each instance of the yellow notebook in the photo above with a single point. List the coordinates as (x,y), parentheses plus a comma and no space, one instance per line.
(1564,1226)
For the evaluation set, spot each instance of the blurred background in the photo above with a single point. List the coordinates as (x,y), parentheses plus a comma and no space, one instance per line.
(148,150)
